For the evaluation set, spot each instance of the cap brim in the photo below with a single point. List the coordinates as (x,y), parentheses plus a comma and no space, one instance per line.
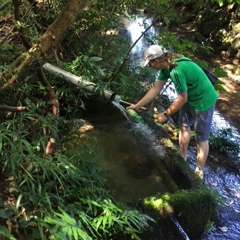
(144,63)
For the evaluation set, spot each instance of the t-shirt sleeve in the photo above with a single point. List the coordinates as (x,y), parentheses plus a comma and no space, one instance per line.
(179,80)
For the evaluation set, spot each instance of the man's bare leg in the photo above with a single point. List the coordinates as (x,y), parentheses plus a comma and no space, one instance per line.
(184,138)
(202,154)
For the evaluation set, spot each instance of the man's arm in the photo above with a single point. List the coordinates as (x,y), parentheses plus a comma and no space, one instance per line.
(181,100)
(150,95)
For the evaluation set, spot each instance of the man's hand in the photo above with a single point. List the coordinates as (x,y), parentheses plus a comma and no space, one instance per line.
(133,107)
(161,118)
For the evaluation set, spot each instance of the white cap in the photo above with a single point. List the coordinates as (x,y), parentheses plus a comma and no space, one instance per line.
(151,53)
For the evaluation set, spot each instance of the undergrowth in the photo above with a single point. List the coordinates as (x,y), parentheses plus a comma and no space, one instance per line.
(56,197)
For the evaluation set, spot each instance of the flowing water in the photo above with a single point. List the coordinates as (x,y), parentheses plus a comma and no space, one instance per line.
(184,235)
(226,180)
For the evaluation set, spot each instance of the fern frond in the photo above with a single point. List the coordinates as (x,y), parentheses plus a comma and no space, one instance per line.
(5,233)
(67,226)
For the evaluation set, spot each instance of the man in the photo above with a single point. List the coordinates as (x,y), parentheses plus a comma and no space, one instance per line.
(196,98)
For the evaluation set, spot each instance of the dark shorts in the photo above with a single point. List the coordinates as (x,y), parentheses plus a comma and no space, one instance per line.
(201,120)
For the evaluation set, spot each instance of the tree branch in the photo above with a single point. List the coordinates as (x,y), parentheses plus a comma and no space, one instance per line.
(127,55)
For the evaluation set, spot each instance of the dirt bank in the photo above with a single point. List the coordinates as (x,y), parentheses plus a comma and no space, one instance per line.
(228,103)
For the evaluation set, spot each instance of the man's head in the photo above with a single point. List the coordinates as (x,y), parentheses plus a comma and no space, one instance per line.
(153,52)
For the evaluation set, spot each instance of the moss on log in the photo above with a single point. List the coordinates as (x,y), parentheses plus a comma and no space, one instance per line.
(192,208)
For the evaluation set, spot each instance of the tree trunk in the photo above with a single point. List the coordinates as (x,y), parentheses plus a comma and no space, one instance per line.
(39,50)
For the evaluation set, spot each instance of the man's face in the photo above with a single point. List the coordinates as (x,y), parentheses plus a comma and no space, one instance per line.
(158,63)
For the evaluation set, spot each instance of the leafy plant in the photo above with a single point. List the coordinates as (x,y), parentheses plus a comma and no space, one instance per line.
(61,196)
(104,219)
(225,142)
(5,233)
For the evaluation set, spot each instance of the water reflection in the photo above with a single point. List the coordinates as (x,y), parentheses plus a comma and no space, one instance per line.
(128,162)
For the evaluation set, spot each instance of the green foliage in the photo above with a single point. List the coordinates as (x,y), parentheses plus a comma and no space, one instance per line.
(220,72)
(61,196)
(8,53)
(5,233)
(4,7)
(224,143)
(94,47)
(67,227)
(221,2)
(176,44)
(104,220)
(87,67)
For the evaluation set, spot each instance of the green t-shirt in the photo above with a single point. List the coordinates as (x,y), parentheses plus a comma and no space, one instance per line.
(188,77)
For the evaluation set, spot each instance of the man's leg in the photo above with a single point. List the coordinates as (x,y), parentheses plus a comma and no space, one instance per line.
(185,121)
(184,138)
(202,153)
(202,128)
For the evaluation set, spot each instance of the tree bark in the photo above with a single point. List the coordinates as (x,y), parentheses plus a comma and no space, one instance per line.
(40,49)
(26,43)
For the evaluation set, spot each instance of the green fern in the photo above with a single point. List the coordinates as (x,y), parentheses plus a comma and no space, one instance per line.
(5,233)
(66,227)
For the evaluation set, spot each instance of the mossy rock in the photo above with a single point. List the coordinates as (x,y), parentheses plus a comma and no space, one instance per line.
(192,209)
